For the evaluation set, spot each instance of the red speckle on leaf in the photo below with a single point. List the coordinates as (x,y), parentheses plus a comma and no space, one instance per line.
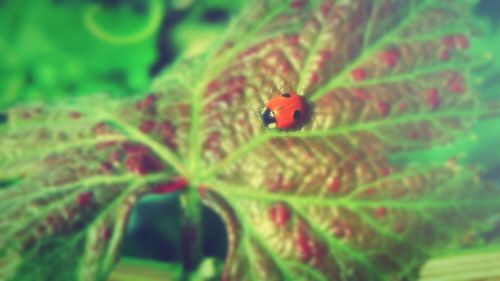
(455,84)
(414,135)
(274,182)
(335,185)
(84,198)
(326,7)
(104,234)
(133,148)
(167,133)
(202,191)
(302,243)
(106,167)
(170,186)
(298,4)
(401,107)
(146,102)
(360,94)
(380,212)
(147,126)
(139,161)
(238,82)
(444,55)
(390,58)
(149,100)
(69,212)
(457,88)
(114,157)
(250,52)
(318,249)
(293,39)
(356,20)
(325,55)
(370,191)
(383,108)
(461,41)
(341,229)
(433,100)
(297,54)
(398,227)
(313,79)
(231,95)
(101,129)
(212,86)
(212,144)
(75,115)
(284,66)
(448,42)
(105,144)
(384,171)
(358,74)
(142,164)
(279,214)
(309,156)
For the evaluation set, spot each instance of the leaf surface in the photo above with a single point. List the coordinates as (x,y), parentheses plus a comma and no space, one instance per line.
(71,176)
(326,202)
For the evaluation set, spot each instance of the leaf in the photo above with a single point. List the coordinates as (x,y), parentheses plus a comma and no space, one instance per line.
(74,178)
(328,201)
(325,202)
(482,264)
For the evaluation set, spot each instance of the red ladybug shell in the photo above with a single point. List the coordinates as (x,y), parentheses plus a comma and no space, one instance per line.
(286,111)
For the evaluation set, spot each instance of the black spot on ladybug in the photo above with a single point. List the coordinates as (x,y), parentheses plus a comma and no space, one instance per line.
(286,95)
(296,115)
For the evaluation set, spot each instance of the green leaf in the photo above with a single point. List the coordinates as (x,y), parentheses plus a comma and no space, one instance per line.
(324,202)
(74,174)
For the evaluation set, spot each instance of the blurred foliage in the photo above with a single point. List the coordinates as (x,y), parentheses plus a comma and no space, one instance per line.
(63,48)
(50,51)
(134,269)
(486,45)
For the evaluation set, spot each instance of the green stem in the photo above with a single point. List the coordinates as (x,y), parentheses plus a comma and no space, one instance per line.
(191,229)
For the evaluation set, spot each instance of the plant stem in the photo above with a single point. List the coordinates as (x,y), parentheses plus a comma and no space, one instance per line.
(191,229)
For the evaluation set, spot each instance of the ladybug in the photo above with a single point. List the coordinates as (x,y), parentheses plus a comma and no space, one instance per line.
(285,111)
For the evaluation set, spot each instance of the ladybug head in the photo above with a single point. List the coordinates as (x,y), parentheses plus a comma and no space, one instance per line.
(268,118)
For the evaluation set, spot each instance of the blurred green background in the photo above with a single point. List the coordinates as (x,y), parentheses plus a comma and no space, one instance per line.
(55,48)
(51,49)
